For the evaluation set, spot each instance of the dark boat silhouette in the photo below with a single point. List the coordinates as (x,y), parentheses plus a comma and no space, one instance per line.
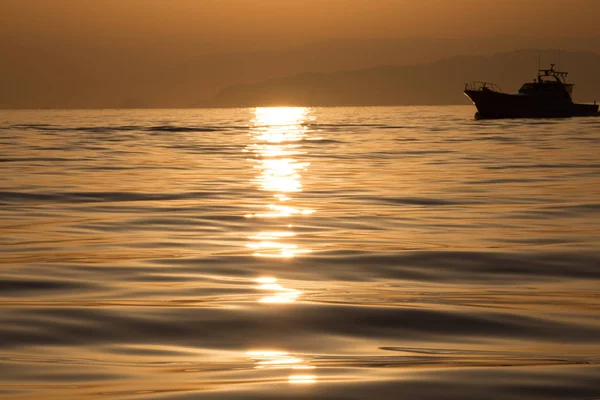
(548,96)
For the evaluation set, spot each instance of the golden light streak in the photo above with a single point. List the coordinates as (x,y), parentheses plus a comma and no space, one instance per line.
(279,295)
(265,280)
(272,359)
(302,379)
(277,136)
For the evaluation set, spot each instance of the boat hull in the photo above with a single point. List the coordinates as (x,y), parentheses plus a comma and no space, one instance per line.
(491,104)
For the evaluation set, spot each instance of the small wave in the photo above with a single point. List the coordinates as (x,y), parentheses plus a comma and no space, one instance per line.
(121,128)
(171,128)
(345,125)
(321,141)
(461,266)
(16,286)
(27,126)
(571,210)
(415,201)
(543,166)
(37,159)
(57,128)
(95,197)
(426,152)
(220,327)
(508,181)
(397,127)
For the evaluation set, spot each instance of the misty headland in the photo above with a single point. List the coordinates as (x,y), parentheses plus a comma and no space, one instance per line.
(436,83)
(334,72)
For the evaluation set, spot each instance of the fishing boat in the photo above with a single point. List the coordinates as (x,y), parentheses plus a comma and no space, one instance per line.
(548,96)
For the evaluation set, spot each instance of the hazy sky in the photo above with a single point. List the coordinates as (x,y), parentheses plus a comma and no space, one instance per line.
(96,52)
(211,24)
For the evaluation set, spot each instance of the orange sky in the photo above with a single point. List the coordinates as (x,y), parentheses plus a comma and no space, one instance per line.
(211,24)
(100,53)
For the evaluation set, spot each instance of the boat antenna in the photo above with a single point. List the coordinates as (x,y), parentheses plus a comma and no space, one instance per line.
(539,59)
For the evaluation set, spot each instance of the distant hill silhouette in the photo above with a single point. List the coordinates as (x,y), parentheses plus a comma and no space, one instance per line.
(122,77)
(209,73)
(434,83)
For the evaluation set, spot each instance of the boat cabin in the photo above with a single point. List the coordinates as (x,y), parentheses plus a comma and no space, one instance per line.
(548,82)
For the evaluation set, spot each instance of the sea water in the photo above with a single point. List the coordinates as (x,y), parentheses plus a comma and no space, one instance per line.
(301,253)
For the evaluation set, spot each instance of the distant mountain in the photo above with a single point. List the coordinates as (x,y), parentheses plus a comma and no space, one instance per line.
(434,83)
(210,72)
(124,76)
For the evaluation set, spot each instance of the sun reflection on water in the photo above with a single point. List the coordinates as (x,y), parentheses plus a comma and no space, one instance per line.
(277,134)
(282,360)
(277,293)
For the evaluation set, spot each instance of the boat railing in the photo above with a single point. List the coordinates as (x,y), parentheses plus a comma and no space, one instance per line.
(481,86)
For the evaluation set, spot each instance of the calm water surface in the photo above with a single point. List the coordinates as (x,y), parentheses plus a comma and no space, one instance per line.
(326,253)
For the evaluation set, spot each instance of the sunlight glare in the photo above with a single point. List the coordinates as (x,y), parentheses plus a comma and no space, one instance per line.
(279,294)
(302,379)
(269,359)
(277,136)
(277,116)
